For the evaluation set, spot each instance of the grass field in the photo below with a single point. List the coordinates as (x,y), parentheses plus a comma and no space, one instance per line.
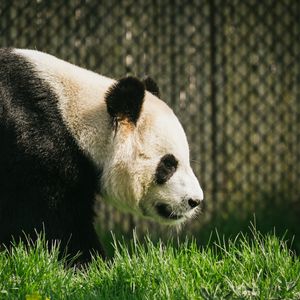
(247,267)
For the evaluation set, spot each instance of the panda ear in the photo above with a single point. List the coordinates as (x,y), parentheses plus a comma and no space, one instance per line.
(125,98)
(151,86)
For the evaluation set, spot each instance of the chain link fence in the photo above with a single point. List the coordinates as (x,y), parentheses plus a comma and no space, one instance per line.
(229,69)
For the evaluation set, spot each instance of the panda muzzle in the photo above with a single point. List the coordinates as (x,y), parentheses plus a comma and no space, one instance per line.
(165,211)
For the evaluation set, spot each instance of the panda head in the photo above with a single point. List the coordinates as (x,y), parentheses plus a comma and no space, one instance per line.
(148,169)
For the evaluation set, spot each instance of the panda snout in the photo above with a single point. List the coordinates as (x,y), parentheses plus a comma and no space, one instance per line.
(193,202)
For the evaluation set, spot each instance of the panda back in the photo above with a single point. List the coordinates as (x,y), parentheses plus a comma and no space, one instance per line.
(41,165)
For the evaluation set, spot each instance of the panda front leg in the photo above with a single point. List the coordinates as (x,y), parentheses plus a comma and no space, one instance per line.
(76,236)
(83,242)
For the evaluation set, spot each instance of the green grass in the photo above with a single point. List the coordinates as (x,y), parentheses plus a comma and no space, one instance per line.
(248,267)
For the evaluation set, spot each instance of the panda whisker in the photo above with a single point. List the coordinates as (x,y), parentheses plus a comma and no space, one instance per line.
(179,227)
(195,161)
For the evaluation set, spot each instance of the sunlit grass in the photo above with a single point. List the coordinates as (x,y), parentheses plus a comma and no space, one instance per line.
(247,267)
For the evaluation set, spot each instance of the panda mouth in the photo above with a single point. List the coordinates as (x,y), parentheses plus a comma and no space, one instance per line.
(165,211)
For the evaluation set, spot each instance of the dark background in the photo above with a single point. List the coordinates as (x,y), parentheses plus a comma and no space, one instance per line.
(229,69)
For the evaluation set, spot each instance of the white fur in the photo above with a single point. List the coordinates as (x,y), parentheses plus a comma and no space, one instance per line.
(130,156)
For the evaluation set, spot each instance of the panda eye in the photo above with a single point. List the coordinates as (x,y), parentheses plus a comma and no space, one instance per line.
(166,168)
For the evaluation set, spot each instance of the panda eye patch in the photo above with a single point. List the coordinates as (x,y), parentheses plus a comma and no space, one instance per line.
(166,168)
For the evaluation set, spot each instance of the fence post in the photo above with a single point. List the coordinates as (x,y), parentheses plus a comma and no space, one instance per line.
(213,70)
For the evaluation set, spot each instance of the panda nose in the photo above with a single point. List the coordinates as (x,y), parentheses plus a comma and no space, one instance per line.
(194,202)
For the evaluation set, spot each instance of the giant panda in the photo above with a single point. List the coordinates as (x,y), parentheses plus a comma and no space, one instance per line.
(68,135)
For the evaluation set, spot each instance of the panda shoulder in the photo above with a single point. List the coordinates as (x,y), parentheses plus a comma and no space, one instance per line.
(49,63)
(66,78)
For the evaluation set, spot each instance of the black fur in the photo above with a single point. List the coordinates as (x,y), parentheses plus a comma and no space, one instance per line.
(46,181)
(125,99)
(151,86)
(166,168)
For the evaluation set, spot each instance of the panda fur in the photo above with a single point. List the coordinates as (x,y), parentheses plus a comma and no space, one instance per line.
(67,135)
